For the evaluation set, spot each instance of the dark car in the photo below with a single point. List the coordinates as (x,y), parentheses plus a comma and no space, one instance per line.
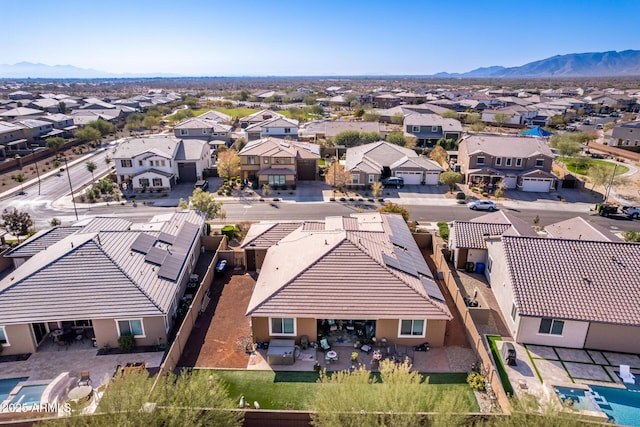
(201,184)
(221,266)
(393,181)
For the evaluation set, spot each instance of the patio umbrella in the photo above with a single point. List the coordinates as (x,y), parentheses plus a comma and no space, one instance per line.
(537,131)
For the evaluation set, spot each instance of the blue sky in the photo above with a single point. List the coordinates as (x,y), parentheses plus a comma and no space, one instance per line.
(282,37)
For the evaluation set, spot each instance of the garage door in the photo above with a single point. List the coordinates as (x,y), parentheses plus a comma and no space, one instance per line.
(540,185)
(410,178)
(432,178)
(187,172)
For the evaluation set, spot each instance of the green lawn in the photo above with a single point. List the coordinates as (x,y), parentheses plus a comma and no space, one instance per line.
(296,390)
(199,111)
(493,343)
(572,165)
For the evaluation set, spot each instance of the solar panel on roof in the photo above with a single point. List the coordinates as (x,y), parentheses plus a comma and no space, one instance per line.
(156,255)
(171,266)
(143,243)
(166,237)
(432,288)
(185,236)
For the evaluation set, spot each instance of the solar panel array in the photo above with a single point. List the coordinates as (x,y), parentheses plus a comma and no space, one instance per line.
(166,238)
(143,243)
(156,255)
(172,263)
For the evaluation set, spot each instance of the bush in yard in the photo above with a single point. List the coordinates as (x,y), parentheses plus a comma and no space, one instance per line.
(229,231)
(476,381)
(127,343)
(443,228)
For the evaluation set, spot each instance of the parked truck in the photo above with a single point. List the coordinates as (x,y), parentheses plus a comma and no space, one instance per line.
(606,209)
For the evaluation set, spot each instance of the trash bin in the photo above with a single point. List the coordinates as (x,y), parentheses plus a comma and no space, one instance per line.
(508,353)
(480,267)
(471,267)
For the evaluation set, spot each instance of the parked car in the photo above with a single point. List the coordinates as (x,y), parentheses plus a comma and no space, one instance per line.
(482,205)
(599,126)
(393,181)
(203,184)
(221,266)
(631,212)
(572,128)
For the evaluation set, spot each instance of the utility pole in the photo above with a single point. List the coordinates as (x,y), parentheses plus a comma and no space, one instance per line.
(70,186)
(613,176)
(36,162)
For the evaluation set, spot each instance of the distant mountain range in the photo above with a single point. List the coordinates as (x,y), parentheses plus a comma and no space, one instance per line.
(596,64)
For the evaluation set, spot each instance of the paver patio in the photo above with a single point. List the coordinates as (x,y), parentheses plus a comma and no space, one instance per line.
(542,352)
(587,371)
(573,355)
(598,357)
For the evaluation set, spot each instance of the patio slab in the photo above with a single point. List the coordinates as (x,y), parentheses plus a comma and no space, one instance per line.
(542,352)
(552,371)
(587,371)
(598,357)
(573,355)
(617,359)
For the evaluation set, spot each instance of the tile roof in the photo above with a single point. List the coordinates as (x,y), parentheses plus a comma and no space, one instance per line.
(375,266)
(276,147)
(200,123)
(379,153)
(579,280)
(93,275)
(330,128)
(506,146)
(216,115)
(260,116)
(416,119)
(165,145)
(519,227)
(266,234)
(41,241)
(472,235)
(275,122)
(579,228)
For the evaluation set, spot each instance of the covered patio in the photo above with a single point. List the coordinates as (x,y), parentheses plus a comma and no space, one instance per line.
(485,176)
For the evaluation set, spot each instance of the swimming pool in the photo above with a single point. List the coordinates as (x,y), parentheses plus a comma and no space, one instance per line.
(621,405)
(7,385)
(29,394)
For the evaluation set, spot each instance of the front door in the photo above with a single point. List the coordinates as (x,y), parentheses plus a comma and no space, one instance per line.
(39,331)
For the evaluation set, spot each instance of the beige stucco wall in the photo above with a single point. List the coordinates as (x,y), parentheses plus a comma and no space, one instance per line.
(573,333)
(20,339)
(106,332)
(388,328)
(304,326)
(477,255)
(602,336)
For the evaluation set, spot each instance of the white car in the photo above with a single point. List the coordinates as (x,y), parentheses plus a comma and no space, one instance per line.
(482,205)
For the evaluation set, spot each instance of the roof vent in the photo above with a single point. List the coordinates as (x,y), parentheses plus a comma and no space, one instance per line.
(325,242)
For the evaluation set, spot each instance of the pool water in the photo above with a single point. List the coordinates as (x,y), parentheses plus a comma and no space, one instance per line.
(622,406)
(7,385)
(29,394)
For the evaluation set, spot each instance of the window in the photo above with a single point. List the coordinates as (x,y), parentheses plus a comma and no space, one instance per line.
(282,326)
(551,326)
(355,179)
(489,264)
(265,160)
(372,179)
(184,132)
(411,328)
(125,163)
(514,312)
(276,180)
(157,182)
(415,129)
(3,337)
(251,160)
(434,129)
(205,131)
(539,163)
(162,163)
(498,161)
(287,130)
(508,161)
(144,182)
(140,163)
(518,163)
(130,327)
(480,161)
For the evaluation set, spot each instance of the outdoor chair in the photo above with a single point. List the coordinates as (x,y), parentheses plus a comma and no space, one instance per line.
(332,325)
(85,379)
(626,375)
(324,345)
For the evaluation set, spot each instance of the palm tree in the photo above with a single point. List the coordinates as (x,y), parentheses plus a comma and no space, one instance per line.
(91,167)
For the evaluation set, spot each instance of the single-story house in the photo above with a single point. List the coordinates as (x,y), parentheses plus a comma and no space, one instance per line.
(346,271)
(110,275)
(369,163)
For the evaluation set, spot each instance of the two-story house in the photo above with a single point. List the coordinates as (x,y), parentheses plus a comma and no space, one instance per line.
(61,122)
(157,162)
(429,128)
(207,129)
(279,162)
(257,117)
(626,136)
(516,161)
(13,137)
(37,129)
(277,127)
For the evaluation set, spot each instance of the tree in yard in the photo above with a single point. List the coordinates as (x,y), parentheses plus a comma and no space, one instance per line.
(102,126)
(108,160)
(150,122)
(451,179)
(358,113)
(477,127)
(566,145)
(19,178)
(397,138)
(369,137)
(54,222)
(631,236)
(393,208)
(337,176)
(266,190)
(91,167)
(397,119)
(134,121)
(558,120)
(371,116)
(88,134)
(449,115)
(376,189)
(347,138)
(309,100)
(472,118)
(439,155)
(16,222)
(239,144)
(55,143)
(599,175)
(202,201)
(501,119)
(228,164)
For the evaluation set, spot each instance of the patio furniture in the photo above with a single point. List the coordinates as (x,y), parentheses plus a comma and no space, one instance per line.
(80,392)
(324,345)
(626,375)
(304,342)
(331,356)
(332,325)
(85,379)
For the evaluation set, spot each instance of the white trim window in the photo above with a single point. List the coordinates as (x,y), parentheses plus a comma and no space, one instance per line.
(498,161)
(282,326)
(4,340)
(415,129)
(125,163)
(355,179)
(480,160)
(514,311)
(434,129)
(372,178)
(539,163)
(411,328)
(133,327)
(518,163)
(508,161)
(184,132)
(489,264)
(550,326)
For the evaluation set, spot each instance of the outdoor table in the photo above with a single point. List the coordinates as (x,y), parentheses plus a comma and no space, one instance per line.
(332,355)
(80,392)
(56,333)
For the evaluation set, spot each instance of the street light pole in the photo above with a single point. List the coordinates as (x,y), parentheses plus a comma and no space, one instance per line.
(70,186)
(33,150)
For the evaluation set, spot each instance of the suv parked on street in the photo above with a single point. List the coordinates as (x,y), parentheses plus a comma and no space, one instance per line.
(393,181)
(631,212)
